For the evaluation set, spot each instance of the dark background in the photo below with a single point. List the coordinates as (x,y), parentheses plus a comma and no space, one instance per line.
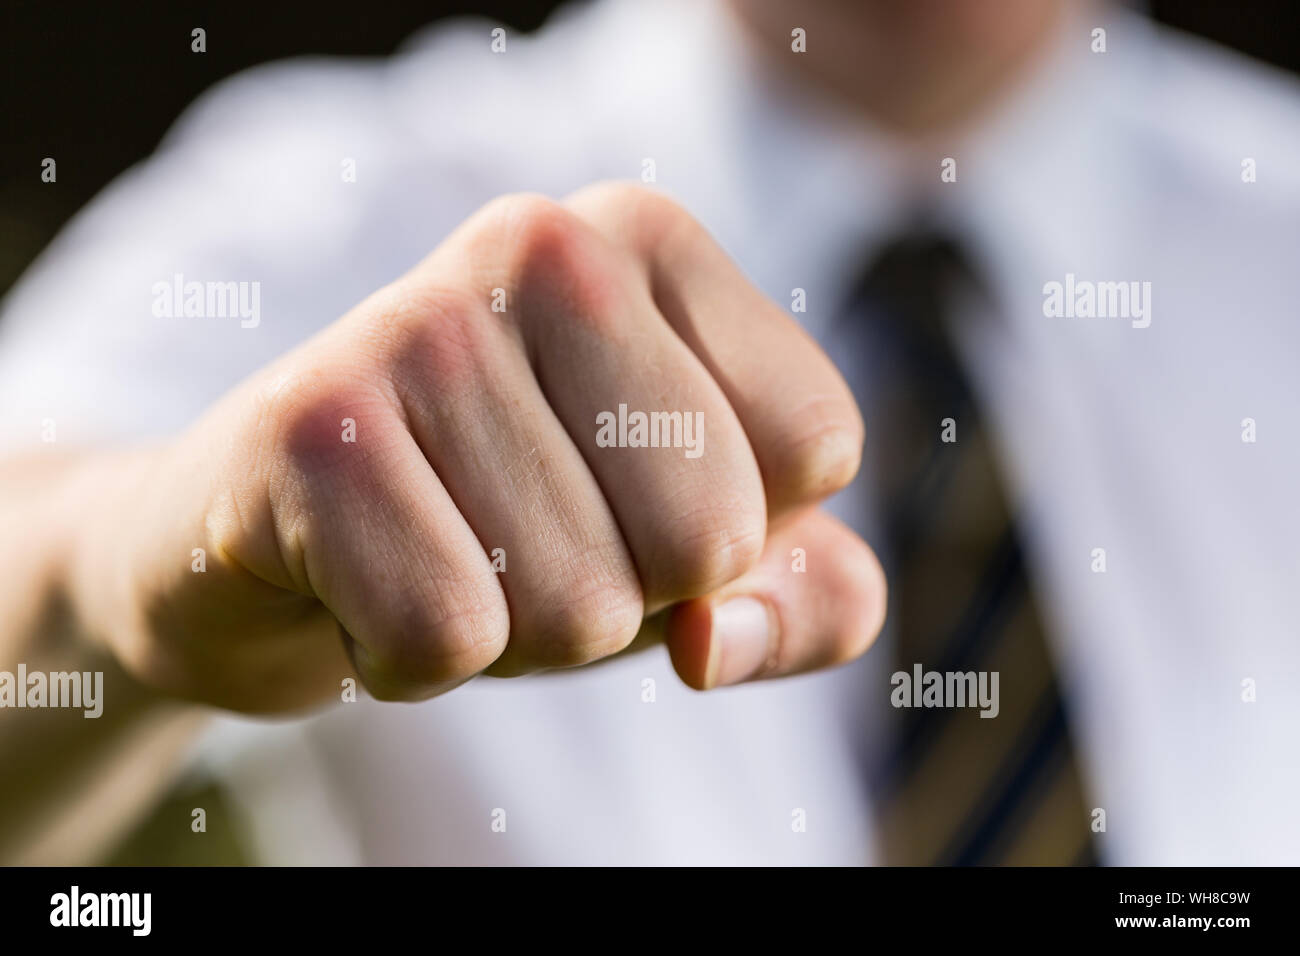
(95,85)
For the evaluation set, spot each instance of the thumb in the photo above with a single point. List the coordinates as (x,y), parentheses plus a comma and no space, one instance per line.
(815,599)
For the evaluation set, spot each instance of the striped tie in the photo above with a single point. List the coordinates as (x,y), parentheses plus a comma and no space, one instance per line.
(956,788)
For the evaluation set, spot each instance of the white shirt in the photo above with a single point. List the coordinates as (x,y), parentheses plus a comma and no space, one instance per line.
(1119,166)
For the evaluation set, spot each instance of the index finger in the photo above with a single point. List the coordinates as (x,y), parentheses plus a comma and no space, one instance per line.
(796,409)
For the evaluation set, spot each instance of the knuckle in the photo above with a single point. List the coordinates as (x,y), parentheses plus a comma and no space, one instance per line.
(535,230)
(421,653)
(576,631)
(825,455)
(614,193)
(313,415)
(643,211)
(551,264)
(569,273)
(708,548)
(445,345)
(521,214)
(551,261)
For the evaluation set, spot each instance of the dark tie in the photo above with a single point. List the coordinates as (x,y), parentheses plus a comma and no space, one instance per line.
(956,788)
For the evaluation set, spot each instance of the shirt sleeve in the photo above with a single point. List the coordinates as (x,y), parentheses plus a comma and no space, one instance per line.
(279,200)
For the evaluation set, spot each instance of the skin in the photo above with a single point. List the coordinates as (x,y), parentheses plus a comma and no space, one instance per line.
(475,430)
(922,69)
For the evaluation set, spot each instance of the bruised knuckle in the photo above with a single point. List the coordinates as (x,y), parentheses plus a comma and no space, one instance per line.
(316,421)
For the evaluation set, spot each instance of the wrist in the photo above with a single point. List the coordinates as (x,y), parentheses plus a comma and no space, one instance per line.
(104,506)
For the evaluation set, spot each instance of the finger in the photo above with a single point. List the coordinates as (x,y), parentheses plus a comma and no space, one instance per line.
(685,491)
(381,544)
(816,599)
(485,427)
(795,407)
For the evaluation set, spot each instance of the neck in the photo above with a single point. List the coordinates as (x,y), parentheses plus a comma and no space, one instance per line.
(919,68)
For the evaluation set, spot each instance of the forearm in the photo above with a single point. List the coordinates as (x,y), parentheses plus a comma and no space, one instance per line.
(78,767)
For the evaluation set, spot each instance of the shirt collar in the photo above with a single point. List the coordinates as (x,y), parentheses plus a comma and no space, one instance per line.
(811,188)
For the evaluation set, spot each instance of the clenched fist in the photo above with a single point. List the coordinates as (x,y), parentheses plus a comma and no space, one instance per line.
(573,423)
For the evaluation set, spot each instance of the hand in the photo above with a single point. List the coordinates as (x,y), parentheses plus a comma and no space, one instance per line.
(439,475)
